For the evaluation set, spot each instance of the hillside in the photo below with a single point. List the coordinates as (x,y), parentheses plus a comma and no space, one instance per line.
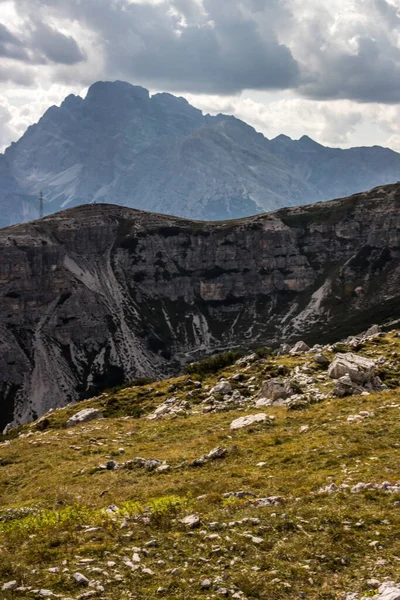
(159,153)
(100,294)
(162,498)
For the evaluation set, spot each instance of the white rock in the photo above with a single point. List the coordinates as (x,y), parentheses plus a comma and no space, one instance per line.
(373,583)
(248,420)
(83,416)
(80,579)
(9,586)
(163,469)
(191,521)
(388,591)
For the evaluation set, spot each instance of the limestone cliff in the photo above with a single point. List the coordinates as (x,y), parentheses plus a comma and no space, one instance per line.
(101,294)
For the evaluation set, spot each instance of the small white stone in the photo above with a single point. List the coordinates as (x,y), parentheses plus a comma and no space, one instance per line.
(9,586)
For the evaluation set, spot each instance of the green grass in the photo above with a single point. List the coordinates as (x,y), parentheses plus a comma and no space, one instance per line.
(314,544)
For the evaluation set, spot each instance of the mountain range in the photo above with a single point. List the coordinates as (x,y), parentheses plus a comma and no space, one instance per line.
(101,294)
(121,145)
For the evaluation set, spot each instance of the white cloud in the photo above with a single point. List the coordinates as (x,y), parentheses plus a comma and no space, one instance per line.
(340,60)
(336,123)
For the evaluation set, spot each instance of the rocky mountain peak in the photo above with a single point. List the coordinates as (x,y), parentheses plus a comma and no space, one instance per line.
(160,153)
(309,143)
(107,92)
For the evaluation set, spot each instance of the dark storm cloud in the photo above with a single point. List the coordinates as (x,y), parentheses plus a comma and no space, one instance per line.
(225,46)
(54,45)
(225,54)
(38,44)
(219,49)
(10,45)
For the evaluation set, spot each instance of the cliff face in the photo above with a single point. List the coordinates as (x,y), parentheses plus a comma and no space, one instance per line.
(101,294)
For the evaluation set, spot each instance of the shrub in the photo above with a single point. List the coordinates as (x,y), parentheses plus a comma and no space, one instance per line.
(213,364)
(263,352)
(166,508)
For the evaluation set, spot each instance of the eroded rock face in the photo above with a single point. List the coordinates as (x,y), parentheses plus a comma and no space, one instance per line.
(101,294)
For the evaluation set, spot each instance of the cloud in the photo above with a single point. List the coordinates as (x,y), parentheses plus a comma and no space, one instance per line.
(54,45)
(16,75)
(332,123)
(335,50)
(335,64)
(348,50)
(6,130)
(10,45)
(198,47)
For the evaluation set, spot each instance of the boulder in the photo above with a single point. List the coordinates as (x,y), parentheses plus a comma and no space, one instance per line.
(83,416)
(248,420)
(283,349)
(360,369)
(374,330)
(346,387)
(298,403)
(388,591)
(222,387)
(275,389)
(321,360)
(299,347)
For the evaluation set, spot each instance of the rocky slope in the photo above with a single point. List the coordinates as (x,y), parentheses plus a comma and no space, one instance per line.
(159,153)
(241,489)
(101,294)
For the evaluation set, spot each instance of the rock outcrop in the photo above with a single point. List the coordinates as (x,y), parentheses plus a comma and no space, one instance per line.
(100,294)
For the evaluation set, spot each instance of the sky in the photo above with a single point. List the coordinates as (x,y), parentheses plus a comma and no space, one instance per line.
(329,69)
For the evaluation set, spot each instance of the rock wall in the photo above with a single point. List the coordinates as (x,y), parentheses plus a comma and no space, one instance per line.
(100,294)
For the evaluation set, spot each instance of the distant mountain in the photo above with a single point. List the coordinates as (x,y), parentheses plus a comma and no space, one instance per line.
(159,153)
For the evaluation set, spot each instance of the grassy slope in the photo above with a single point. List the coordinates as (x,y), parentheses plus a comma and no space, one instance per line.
(317,545)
